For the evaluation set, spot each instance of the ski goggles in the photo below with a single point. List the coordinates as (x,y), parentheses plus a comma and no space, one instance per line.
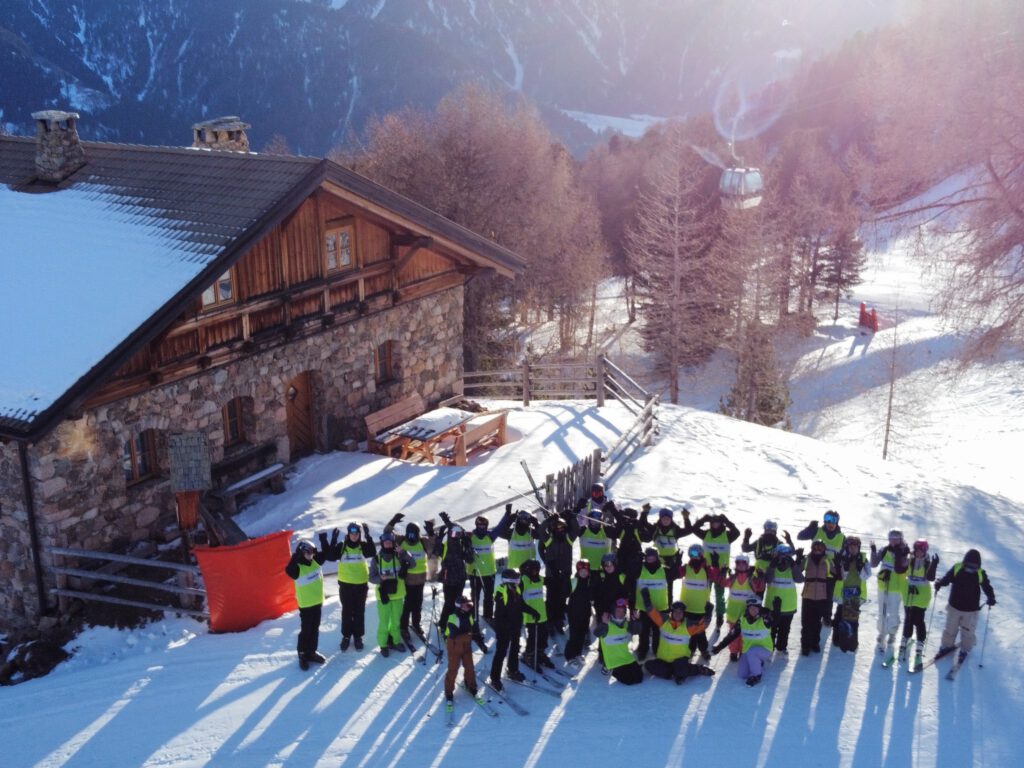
(353,528)
(832,517)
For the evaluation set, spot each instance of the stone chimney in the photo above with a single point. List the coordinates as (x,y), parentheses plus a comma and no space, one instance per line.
(59,151)
(221,133)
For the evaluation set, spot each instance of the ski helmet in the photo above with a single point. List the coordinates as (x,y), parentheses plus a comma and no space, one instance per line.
(482,522)
(819,544)
(608,557)
(695,551)
(353,528)
(412,531)
(832,517)
(387,536)
(305,545)
(852,540)
(895,535)
(665,512)
(530,566)
(650,553)
(456,531)
(597,490)
(621,603)
(580,564)
(742,559)
(770,526)
(678,605)
(509,576)
(783,549)
(753,602)
(922,545)
(462,600)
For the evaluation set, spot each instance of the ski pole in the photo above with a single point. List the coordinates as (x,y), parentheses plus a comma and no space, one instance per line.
(984,637)
(539,505)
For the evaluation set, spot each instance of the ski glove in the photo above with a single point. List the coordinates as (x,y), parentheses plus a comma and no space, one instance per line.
(991,601)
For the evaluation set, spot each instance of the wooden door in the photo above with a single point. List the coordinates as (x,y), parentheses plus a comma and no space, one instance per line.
(299,394)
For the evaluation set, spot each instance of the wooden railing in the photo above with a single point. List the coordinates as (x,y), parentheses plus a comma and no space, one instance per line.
(187,592)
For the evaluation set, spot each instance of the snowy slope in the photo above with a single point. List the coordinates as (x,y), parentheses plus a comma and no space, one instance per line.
(172,694)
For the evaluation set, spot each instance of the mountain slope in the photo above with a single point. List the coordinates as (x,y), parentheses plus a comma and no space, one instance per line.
(145,70)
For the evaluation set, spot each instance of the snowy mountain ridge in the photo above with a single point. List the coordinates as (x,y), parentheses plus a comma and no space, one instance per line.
(145,70)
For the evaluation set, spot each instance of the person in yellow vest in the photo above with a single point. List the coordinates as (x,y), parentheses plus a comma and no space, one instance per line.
(652,577)
(784,572)
(509,610)
(741,589)
(484,566)
(755,629)
(764,546)
(852,571)
(614,631)
(418,547)
(696,595)
(892,562)
(306,568)
(672,659)
(717,534)
(832,536)
(967,580)
(665,535)
(597,536)
(535,621)
(353,554)
(388,571)
(522,539)
(599,501)
(460,631)
(920,575)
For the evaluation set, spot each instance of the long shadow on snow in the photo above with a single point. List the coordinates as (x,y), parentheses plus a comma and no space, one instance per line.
(143,726)
(878,700)
(817,693)
(872,372)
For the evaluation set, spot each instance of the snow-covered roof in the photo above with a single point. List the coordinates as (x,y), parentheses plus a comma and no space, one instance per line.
(85,264)
(95,266)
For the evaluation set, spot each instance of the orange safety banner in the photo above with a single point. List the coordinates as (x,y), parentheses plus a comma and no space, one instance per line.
(246,583)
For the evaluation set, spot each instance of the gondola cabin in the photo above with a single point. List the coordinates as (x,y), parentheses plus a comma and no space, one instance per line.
(741,188)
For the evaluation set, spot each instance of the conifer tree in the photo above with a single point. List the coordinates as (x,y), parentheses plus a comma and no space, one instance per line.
(760,393)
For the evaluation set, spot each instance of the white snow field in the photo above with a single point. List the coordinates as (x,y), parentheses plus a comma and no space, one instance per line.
(172,694)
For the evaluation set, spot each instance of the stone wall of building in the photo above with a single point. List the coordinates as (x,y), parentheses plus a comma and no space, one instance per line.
(17,598)
(81,496)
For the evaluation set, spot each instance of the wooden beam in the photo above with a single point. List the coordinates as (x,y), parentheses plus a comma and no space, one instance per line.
(395,219)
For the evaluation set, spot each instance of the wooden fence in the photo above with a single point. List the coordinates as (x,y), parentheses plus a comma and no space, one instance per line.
(598,379)
(69,577)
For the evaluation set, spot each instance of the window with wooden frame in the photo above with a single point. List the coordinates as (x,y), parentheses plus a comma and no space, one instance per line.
(139,460)
(234,422)
(339,246)
(221,292)
(384,368)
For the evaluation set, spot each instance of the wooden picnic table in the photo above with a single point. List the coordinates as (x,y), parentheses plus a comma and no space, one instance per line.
(421,437)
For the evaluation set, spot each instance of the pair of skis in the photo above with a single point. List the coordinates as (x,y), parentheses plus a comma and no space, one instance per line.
(449,707)
(919,666)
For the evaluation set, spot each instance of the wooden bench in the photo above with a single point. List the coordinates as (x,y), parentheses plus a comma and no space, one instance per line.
(272,476)
(378,424)
(487,429)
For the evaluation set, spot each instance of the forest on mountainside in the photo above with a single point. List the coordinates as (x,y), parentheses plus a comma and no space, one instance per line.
(843,143)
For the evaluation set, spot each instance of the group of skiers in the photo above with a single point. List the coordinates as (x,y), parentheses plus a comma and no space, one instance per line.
(624,584)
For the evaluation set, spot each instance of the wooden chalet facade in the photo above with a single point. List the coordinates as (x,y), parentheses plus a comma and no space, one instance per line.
(316,297)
